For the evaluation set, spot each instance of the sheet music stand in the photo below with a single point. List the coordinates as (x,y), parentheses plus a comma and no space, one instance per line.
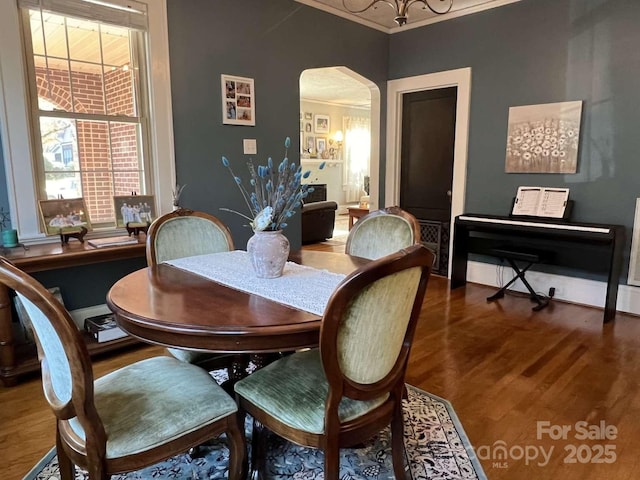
(566,217)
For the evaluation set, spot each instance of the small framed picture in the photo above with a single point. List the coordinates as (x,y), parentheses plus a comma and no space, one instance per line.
(134,210)
(321,144)
(310,144)
(64,216)
(308,116)
(238,100)
(321,123)
(307,127)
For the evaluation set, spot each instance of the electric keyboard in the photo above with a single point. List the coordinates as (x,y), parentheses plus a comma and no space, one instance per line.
(535,224)
(578,246)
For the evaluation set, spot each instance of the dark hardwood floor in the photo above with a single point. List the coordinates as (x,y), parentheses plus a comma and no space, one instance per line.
(505,369)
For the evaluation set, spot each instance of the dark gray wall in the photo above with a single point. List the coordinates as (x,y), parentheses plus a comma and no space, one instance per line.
(272,42)
(543,51)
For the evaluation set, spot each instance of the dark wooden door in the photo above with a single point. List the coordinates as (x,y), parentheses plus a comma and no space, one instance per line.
(426,171)
(426,167)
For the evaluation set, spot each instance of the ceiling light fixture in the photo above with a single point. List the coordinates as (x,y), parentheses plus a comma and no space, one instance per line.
(402,7)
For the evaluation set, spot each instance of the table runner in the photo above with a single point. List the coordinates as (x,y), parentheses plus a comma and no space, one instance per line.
(304,288)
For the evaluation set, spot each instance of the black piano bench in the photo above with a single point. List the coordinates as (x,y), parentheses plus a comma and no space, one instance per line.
(529,257)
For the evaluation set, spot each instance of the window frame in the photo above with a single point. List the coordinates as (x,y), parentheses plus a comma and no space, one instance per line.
(17,136)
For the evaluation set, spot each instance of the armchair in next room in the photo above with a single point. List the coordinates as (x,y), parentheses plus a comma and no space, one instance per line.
(318,220)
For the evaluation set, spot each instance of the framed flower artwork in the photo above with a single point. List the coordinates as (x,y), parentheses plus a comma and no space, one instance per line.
(543,138)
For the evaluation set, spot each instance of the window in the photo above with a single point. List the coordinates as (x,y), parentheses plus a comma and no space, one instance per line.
(60,156)
(87,113)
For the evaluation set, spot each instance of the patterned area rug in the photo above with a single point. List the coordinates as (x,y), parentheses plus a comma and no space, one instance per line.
(436,447)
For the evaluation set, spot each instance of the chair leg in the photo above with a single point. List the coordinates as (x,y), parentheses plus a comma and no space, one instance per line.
(397,442)
(258,451)
(67,468)
(331,461)
(237,450)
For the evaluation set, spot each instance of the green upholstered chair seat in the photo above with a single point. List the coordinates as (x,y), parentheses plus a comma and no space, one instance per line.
(132,400)
(189,356)
(294,389)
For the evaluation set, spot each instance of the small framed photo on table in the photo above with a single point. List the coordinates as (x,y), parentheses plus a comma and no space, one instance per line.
(64,216)
(134,211)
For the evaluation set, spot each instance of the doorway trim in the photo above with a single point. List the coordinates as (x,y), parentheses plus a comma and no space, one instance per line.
(460,78)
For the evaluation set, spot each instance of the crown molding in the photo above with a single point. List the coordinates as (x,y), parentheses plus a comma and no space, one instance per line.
(452,15)
(411,25)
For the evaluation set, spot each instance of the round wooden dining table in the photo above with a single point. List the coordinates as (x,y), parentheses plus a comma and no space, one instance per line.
(165,305)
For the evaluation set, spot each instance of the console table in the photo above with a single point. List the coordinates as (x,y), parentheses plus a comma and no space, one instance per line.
(17,360)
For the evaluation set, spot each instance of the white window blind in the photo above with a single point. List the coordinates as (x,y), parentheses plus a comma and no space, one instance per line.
(125,13)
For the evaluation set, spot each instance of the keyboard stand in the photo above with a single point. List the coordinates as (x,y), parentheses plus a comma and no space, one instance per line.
(530,258)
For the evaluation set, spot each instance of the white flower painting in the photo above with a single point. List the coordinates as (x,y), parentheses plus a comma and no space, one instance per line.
(543,138)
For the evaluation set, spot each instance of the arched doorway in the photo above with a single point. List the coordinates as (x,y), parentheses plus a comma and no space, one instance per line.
(343,97)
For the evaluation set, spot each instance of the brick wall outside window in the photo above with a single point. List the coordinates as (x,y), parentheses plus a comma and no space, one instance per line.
(107,151)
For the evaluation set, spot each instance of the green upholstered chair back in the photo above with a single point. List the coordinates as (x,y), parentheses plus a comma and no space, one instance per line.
(67,375)
(369,322)
(185,233)
(382,232)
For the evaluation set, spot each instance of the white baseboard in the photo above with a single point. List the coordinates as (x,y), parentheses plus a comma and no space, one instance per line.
(570,289)
(80,314)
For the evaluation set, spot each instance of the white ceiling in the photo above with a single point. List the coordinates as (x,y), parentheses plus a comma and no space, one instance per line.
(381,17)
(331,85)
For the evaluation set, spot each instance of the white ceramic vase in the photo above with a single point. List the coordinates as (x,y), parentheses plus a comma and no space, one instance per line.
(268,252)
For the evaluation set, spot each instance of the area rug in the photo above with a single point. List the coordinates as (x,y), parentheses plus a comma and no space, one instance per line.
(436,446)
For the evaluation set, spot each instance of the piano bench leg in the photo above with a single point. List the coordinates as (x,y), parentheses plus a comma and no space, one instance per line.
(541,302)
(496,296)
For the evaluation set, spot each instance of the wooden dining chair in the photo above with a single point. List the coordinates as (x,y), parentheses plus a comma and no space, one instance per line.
(382,232)
(352,386)
(131,418)
(186,233)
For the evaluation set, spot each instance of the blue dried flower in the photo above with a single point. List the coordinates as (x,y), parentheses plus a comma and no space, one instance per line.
(274,195)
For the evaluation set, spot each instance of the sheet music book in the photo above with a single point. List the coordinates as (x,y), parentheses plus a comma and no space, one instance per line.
(541,202)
